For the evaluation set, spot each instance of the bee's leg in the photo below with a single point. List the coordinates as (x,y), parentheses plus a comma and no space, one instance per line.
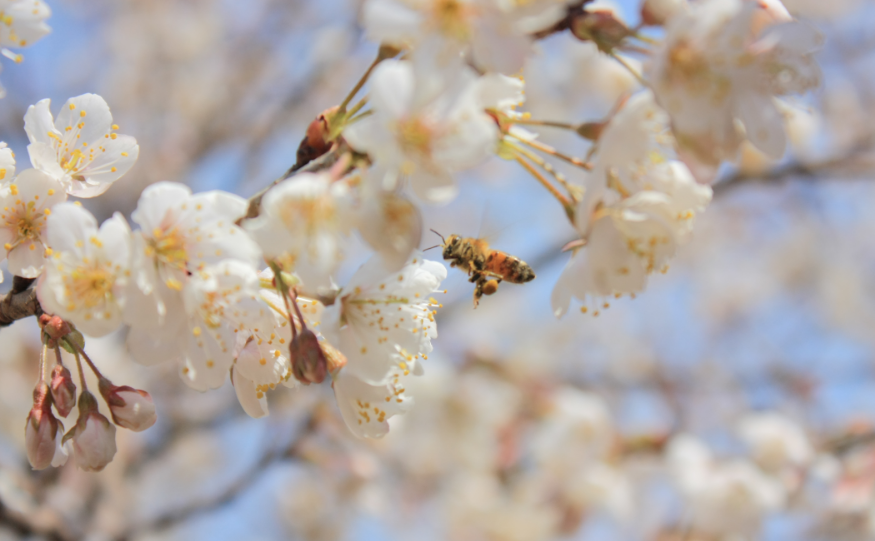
(478,291)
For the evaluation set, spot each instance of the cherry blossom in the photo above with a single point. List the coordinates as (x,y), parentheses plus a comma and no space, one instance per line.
(423,134)
(7,163)
(637,207)
(366,408)
(80,147)
(726,60)
(27,202)
(23,22)
(301,226)
(87,273)
(179,234)
(497,33)
(384,320)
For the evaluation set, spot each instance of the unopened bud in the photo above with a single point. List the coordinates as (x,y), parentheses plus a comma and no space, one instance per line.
(43,431)
(63,390)
(93,436)
(309,364)
(591,130)
(602,28)
(388,51)
(54,327)
(316,142)
(657,12)
(130,408)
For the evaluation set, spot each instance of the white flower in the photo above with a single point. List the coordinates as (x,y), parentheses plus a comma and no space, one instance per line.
(26,203)
(423,135)
(638,206)
(775,441)
(577,429)
(253,400)
(301,226)
(262,361)
(388,221)
(498,33)
(7,163)
(384,320)
(722,497)
(80,147)
(179,234)
(366,408)
(220,301)
(723,61)
(23,22)
(87,273)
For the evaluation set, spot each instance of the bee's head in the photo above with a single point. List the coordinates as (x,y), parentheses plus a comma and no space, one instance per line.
(451,245)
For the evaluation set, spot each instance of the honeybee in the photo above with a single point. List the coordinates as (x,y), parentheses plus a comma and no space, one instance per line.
(486,267)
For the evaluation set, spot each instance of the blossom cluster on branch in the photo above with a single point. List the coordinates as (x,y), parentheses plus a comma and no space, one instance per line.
(245,289)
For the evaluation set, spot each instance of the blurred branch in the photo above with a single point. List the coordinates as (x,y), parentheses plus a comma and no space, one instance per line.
(20,302)
(275,453)
(25,528)
(846,165)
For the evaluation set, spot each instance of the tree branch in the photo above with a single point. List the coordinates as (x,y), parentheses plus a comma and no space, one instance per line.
(20,302)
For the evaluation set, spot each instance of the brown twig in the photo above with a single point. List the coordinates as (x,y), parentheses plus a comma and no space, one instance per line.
(20,302)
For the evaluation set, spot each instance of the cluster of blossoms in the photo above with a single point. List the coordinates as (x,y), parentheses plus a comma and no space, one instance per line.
(190,285)
(228,287)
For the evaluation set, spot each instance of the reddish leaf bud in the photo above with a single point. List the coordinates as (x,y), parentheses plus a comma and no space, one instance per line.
(43,431)
(63,390)
(308,360)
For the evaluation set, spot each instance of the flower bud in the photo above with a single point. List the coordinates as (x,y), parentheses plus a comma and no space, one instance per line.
(131,408)
(601,27)
(54,327)
(308,361)
(63,390)
(93,436)
(42,431)
(315,142)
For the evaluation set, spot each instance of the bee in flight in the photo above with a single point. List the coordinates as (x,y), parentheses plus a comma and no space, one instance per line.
(486,267)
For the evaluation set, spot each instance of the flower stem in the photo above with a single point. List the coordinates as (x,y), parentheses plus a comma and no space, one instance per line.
(546,166)
(629,68)
(88,360)
(41,377)
(566,203)
(547,149)
(548,123)
(358,86)
(79,367)
(58,358)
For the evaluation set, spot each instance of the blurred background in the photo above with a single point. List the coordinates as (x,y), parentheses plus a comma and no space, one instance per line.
(525,427)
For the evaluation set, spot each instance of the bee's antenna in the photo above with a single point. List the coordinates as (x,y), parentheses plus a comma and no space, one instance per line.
(438,234)
(435,246)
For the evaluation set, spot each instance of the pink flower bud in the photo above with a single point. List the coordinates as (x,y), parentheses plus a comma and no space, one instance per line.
(308,361)
(43,431)
(63,390)
(93,436)
(131,408)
